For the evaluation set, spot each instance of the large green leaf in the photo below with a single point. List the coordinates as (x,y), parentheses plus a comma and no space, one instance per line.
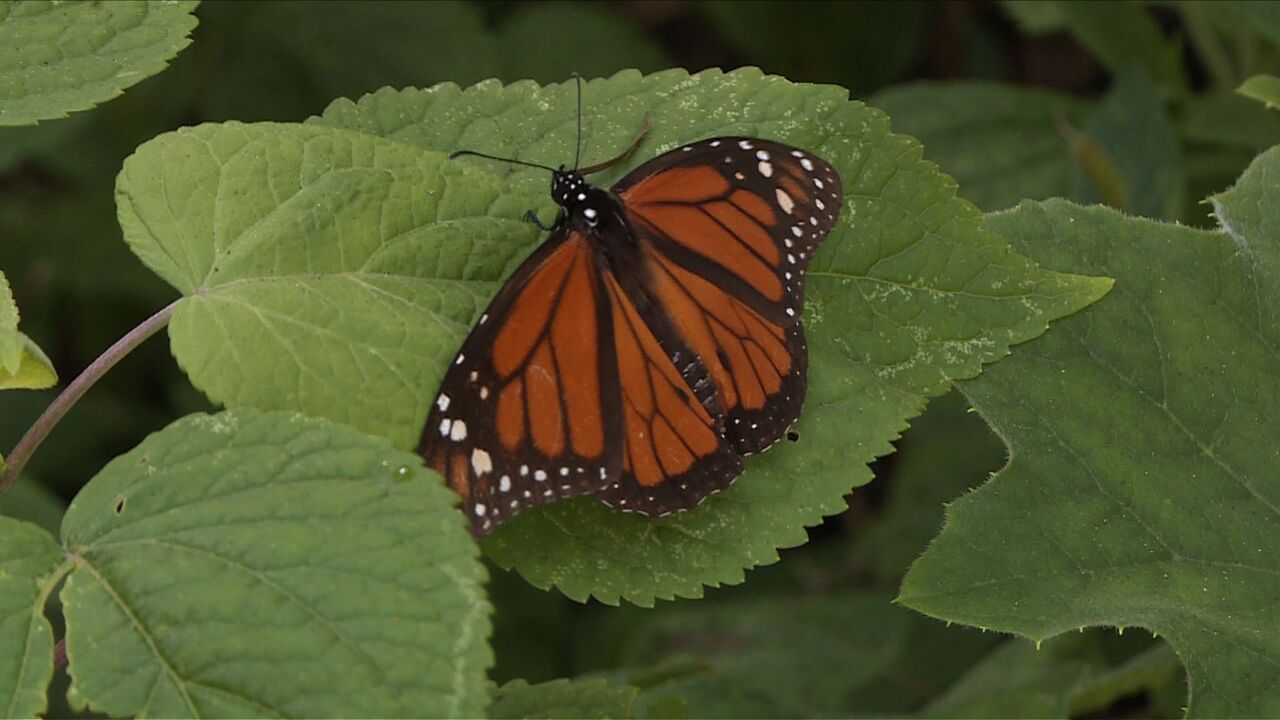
(768,657)
(798,41)
(247,564)
(1123,35)
(22,363)
(947,451)
(29,558)
(325,271)
(906,293)
(1132,132)
(1144,487)
(1068,676)
(57,58)
(1003,143)
(562,699)
(590,39)
(287,60)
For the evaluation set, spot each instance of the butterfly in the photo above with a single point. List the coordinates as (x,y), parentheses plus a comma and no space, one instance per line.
(648,344)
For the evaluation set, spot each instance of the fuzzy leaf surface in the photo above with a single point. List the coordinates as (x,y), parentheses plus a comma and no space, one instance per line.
(907,293)
(56,58)
(253,564)
(1144,485)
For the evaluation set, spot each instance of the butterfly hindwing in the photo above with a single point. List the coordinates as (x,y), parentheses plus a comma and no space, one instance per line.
(728,227)
(675,451)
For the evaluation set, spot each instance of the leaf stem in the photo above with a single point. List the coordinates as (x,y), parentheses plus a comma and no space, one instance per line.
(44,424)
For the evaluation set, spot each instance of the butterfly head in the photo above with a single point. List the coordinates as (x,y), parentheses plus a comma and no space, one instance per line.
(581,201)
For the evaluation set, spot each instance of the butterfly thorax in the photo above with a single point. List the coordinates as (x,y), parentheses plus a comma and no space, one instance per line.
(585,206)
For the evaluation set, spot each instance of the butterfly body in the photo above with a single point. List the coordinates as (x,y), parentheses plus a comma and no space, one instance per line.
(648,344)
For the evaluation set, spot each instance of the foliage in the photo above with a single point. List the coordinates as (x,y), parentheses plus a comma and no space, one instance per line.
(280,168)
(59,58)
(1142,394)
(22,363)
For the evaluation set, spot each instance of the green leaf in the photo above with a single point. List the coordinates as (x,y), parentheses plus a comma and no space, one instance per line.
(783,40)
(1226,120)
(907,293)
(272,565)
(562,699)
(1066,677)
(1036,17)
(1123,34)
(771,657)
(1262,87)
(287,60)
(57,58)
(591,39)
(1261,17)
(30,501)
(1222,132)
(22,363)
(1137,143)
(1002,143)
(324,271)
(947,451)
(1143,488)
(29,560)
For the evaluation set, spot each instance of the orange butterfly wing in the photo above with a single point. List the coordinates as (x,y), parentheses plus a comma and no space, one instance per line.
(640,362)
(727,229)
(528,411)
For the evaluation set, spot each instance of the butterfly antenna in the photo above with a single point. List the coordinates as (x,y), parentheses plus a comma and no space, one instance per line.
(635,143)
(513,161)
(577,154)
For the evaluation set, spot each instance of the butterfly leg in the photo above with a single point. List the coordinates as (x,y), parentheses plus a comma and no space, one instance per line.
(532,217)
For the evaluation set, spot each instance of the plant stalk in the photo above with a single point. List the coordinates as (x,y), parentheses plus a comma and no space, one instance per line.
(49,419)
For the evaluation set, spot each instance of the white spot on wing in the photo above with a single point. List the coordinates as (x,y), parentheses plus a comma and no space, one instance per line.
(481,462)
(459,431)
(784,200)
(442,402)
(765,169)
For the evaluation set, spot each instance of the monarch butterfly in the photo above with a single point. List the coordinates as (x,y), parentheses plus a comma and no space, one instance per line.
(650,342)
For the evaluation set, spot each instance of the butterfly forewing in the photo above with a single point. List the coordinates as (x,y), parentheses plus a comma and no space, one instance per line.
(527,413)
